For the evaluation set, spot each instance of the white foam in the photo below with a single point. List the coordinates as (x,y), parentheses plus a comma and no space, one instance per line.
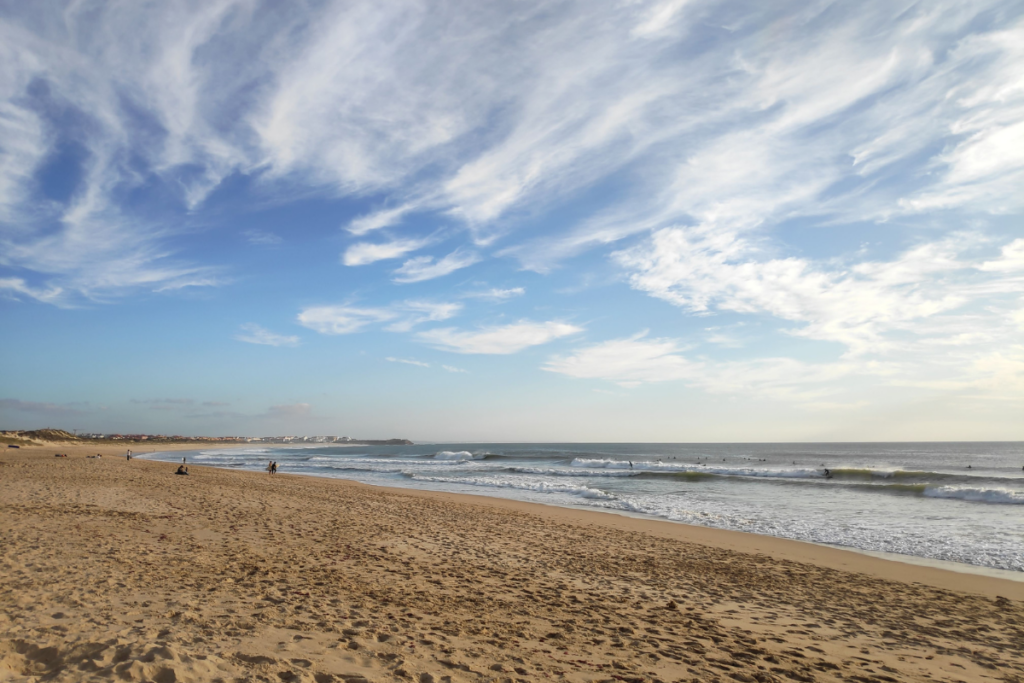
(521,484)
(549,472)
(333,458)
(976,495)
(457,455)
(670,467)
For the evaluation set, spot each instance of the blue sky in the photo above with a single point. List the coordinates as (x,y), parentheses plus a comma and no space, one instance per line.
(601,221)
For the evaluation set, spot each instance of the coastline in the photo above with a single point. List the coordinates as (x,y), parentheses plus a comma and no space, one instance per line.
(938,573)
(844,559)
(119,568)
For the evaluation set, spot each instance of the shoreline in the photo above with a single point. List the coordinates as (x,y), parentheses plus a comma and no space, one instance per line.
(121,570)
(938,573)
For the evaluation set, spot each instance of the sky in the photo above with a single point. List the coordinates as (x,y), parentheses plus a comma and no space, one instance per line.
(632,220)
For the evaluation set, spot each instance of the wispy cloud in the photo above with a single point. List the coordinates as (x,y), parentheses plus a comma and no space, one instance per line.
(501,340)
(289,411)
(402,316)
(878,111)
(408,361)
(412,313)
(342,319)
(377,220)
(638,360)
(262,238)
(363,253)
(422,364)
(42,408)
(697,130)
(496,294)
(862,307)
(90,243)
(277,413)
(629,361)
(1011,259)
(425,268)
(12,286)
(171,404)
(254,334)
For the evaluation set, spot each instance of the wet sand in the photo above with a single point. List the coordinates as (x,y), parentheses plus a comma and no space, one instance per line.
(116,570)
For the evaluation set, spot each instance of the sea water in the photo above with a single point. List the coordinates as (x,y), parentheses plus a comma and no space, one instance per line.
(958,502)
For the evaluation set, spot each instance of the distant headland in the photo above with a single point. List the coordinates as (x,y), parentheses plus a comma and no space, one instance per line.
(37,436)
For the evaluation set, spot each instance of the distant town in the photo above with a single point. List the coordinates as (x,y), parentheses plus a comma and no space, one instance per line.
(64,435)
(248,439)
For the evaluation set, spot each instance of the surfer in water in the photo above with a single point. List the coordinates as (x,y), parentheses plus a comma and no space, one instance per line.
(828,474)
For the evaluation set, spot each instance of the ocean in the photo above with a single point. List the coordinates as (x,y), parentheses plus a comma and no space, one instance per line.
(953,502)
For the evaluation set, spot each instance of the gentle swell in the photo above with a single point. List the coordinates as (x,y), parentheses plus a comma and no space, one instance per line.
(976,495)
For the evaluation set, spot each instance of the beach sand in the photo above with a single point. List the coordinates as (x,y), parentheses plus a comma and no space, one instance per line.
(113,570)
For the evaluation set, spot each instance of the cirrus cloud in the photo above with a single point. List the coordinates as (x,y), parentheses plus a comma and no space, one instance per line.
(425,268)
(254,334)
(499,340)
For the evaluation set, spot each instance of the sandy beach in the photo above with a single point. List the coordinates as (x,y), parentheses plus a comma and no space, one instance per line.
(117,570)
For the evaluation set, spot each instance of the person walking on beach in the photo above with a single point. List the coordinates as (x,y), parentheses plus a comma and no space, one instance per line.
(273,467)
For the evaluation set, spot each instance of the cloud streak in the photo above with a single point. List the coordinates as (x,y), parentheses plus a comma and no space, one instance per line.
(498,340)
(425,268)
(41,408)
(686,108)
(402,316)
(363,253)
(254,334)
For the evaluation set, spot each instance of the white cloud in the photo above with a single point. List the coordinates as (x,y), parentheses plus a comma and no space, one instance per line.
(362,253)
(496,293)
(629,361)
(452,368)
(377,220)
(342,319)
(703,269)
(424,268)
(16,285)
(658,17)
(254,334)
(1011,259)
(415,312)
(408,361)
(637,360)
(402,316)
(502,340)
(88,243)
(878,111)
(715,335)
